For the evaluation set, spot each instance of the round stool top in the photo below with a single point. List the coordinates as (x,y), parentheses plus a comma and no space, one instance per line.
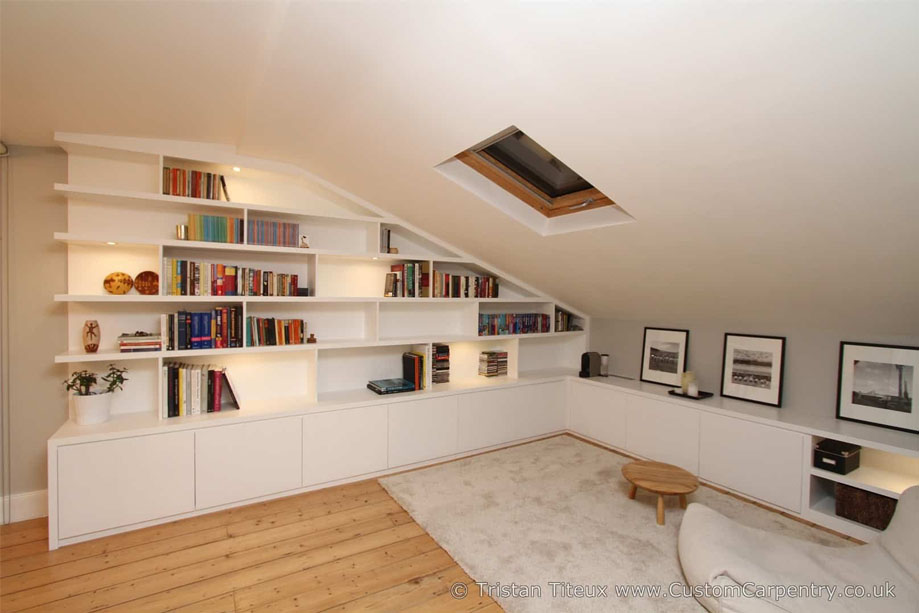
(660,478)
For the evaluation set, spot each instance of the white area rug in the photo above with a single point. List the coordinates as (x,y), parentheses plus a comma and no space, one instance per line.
(558,511)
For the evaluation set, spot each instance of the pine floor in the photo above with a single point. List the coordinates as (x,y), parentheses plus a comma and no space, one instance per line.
(345,548)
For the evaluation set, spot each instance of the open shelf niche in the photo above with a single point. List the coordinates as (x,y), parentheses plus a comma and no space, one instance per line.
(119,219)
(879,472)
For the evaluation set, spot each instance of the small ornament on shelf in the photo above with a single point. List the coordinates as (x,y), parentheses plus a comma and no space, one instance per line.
(147,283)
(91,336)
(312,338)
(118,283)
(304,241)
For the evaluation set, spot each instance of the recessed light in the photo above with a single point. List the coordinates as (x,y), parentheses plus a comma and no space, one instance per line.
(376,258)
(236,169)
(111,243)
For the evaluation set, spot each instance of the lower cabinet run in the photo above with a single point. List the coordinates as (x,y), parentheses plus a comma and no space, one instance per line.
(244,461)
(116,484)
(109,484)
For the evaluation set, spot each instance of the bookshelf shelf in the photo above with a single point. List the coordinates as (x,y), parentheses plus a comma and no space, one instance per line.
(140,298)
(119,196)
(873,479)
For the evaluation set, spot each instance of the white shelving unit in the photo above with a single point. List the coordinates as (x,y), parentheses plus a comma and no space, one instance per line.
(118,220)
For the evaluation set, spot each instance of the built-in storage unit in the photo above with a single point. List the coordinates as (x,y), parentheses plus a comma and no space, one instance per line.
(310,399)
(761,452)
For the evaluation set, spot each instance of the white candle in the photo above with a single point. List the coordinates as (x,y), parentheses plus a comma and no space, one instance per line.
(693,389)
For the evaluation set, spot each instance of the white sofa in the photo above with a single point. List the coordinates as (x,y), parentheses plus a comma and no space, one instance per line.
(719,555)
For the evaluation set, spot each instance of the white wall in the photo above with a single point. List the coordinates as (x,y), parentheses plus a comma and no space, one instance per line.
(37,325)
(811,353)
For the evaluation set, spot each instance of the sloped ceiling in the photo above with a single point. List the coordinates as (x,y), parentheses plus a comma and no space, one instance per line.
(769,151)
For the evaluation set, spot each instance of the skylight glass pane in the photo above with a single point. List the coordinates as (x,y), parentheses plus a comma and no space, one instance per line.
(522,155)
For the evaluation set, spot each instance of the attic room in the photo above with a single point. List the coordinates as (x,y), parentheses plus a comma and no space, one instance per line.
(387,306)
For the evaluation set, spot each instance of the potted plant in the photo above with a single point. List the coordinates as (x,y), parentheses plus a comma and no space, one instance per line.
(92,405)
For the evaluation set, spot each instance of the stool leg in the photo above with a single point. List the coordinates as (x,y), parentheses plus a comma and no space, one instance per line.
(682,501)
(660,510)
(633,491)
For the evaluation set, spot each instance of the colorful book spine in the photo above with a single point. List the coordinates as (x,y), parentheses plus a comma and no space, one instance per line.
(495,324)
(193,183)
(273,233)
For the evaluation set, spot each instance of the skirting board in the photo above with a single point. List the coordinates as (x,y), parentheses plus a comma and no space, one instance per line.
(27,505)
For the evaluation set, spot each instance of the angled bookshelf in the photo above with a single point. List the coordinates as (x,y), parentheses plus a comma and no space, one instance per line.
(119,219)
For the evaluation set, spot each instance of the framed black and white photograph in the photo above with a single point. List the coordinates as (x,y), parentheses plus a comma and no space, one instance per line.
(752,368)
(877,385)
(663,356)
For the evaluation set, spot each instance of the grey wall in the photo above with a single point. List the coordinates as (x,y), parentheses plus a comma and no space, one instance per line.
(37,403)
(811,353)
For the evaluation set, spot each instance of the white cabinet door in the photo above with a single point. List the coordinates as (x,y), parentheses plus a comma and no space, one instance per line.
(753,459)
(539,409)
(342,444)
(504,415)
(242,461)
(121,482)
(598,413)
(422,430)
(663,431)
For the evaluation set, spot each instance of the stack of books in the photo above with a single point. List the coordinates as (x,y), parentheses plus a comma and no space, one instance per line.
(193,183)
(219,328)
(413,369)
(565,322)
(460,286)
(190,278)
(268,331)
(492,324)
(390,386)
(440,370)
(407,281)
(493,363)
(273,233)
(140,341)
(193,389)
(212,229)
(385,240)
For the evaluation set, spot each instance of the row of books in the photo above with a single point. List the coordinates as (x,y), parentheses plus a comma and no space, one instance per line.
(491,324)
(193,389)
(190,278)
(565,322)
(218,328)
(262,331)
(440,369)
(212,229)
(460,286)
(492,363)
(273,233)
(407,280)
(193,183)
(140,341)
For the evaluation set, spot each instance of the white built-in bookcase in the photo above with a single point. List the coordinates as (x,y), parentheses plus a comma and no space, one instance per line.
(118,220)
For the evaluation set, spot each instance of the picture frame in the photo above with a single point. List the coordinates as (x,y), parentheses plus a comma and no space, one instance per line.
(876,385)
(753,368)
(663,355)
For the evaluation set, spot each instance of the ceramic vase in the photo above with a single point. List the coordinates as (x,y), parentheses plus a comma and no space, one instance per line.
(91,336)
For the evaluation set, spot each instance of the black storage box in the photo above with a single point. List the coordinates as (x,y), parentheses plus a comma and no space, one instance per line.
(836,456)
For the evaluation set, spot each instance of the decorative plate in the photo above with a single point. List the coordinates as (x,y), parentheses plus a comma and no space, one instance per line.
(118,283)
(147,283)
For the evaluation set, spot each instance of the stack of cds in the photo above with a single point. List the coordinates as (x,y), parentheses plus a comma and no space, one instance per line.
(440,371)
(493,363)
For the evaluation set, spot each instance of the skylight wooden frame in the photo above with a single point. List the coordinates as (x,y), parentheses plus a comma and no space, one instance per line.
(510,181)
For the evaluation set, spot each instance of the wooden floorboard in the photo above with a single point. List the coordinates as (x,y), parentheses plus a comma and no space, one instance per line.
(345,548)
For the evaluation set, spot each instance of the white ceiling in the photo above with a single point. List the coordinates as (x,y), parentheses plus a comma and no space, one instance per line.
(769,151)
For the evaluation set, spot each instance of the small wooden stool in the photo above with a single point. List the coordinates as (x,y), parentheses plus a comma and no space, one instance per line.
(661,479)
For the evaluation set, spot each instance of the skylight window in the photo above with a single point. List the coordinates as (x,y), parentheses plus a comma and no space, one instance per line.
(519,165)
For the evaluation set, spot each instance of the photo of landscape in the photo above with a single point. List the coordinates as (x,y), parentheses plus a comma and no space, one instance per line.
(752,368)
(883,385)
(664,356)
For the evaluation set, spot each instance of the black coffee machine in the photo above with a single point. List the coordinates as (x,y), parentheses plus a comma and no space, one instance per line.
(590,364)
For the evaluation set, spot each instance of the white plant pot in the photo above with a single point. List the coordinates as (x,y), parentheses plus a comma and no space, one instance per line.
(92,409)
